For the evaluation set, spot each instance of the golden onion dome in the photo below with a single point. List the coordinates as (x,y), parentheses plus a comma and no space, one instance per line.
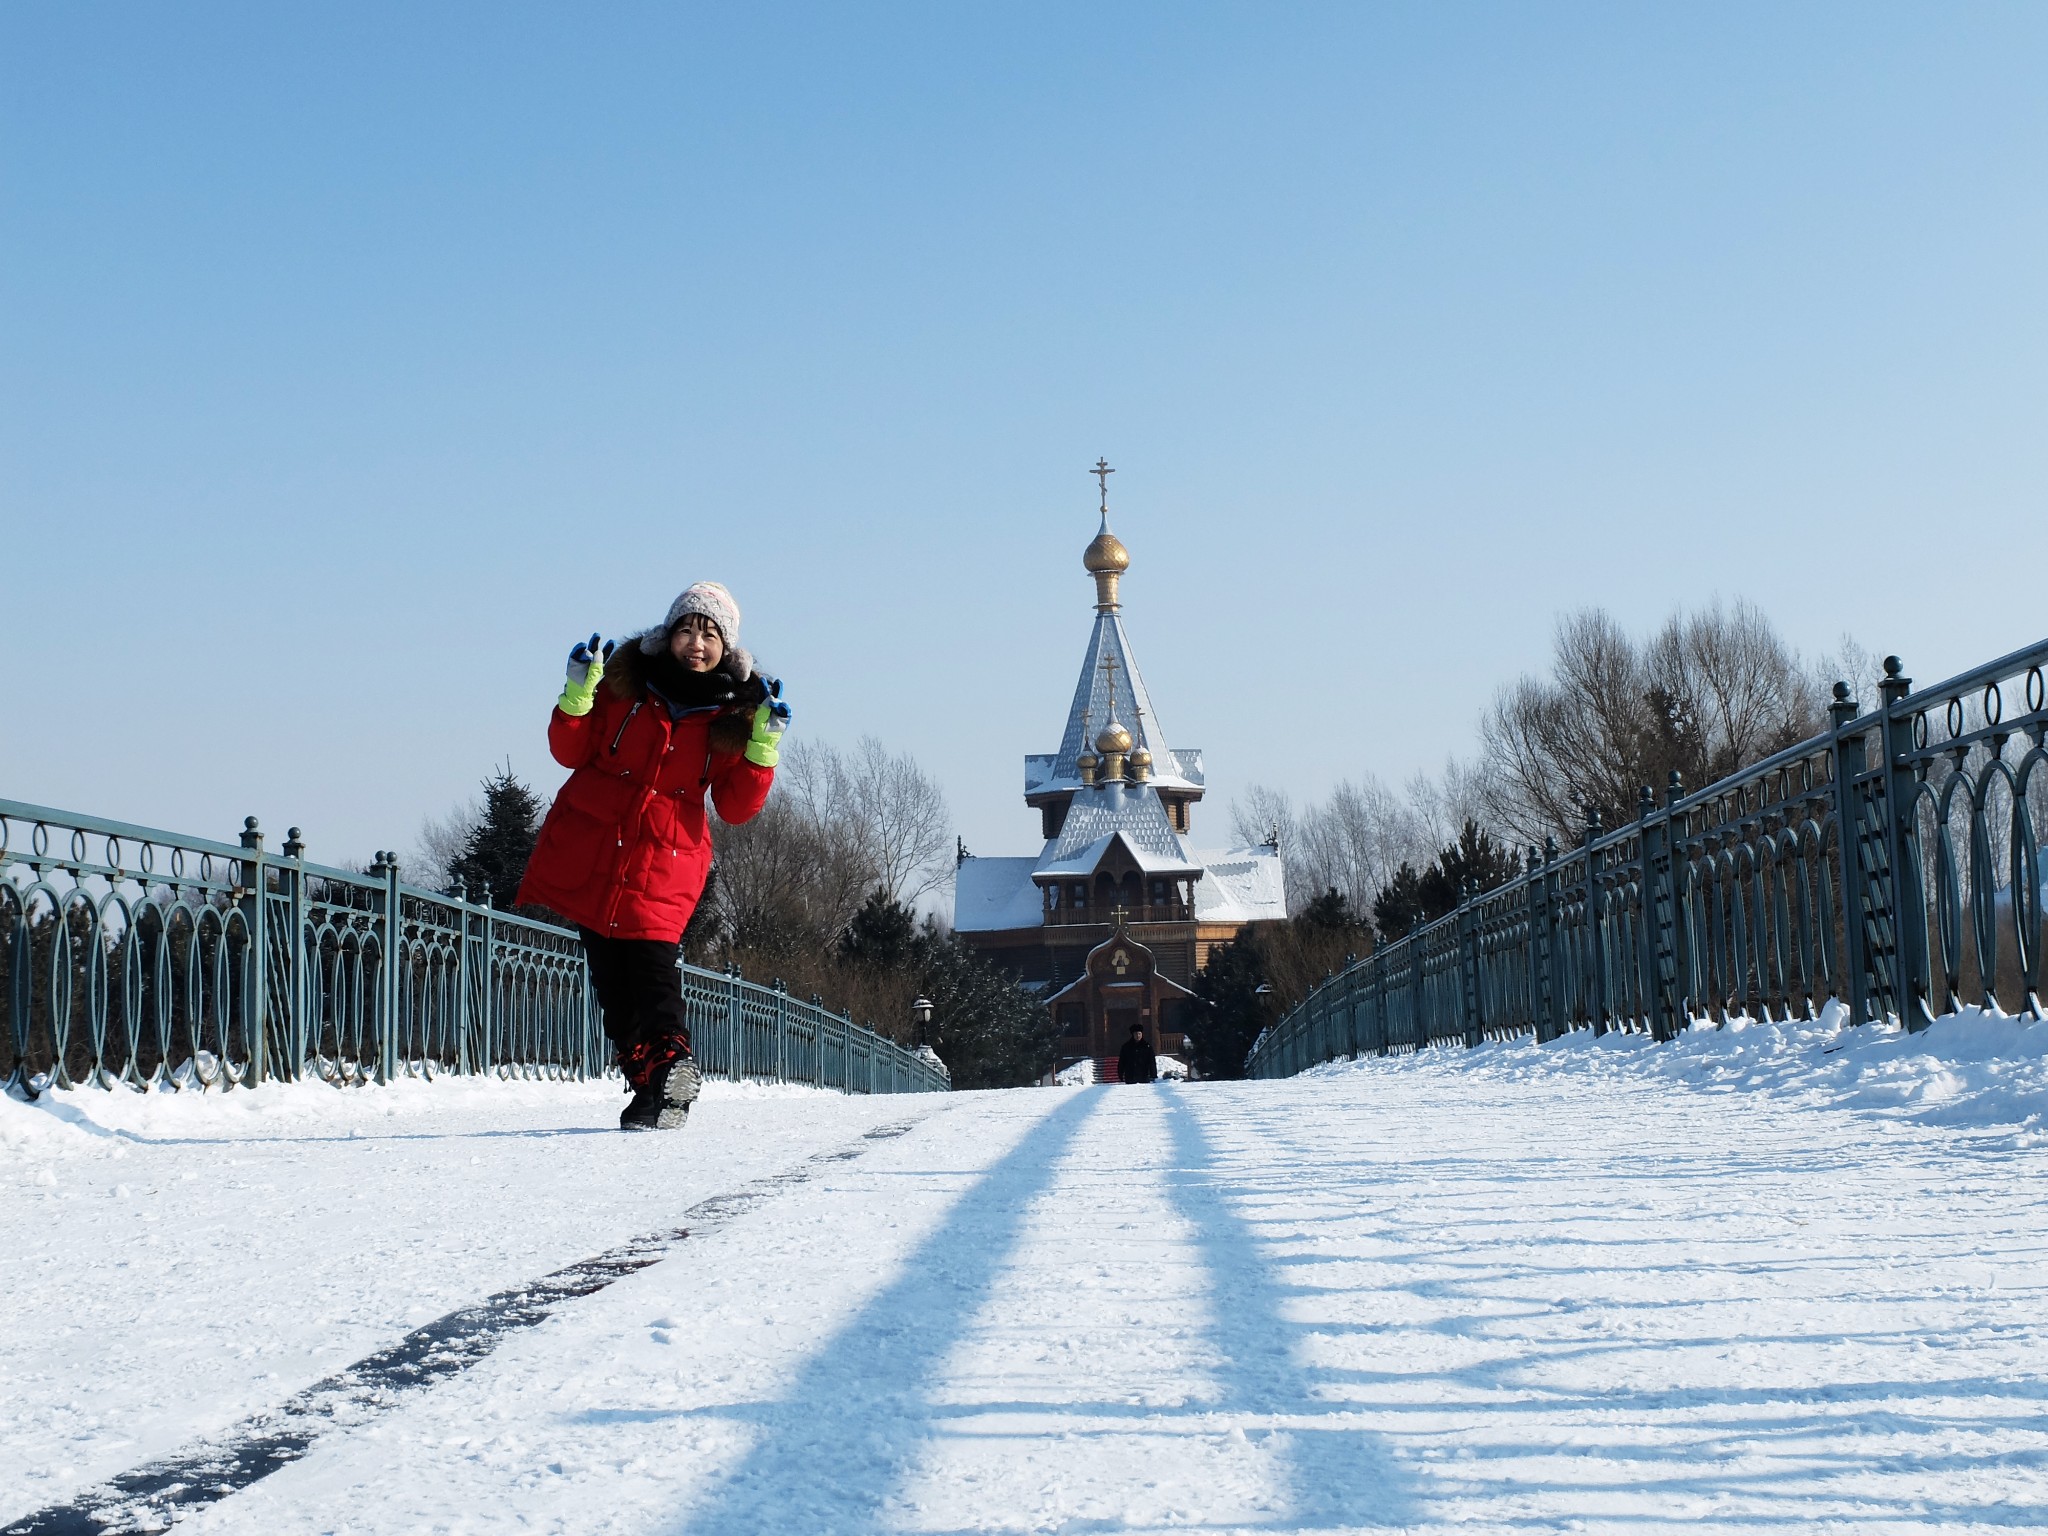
(1114,738)
(1088,760)
(1142,758)
(1106,553)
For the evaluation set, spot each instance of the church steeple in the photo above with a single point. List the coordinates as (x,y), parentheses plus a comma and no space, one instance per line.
(1106,559)
(1113,740)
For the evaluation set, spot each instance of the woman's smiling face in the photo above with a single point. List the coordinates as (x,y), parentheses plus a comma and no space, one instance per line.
(696,643)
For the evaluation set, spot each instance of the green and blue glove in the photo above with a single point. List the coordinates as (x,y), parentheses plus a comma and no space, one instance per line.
(586,671)
(771,719)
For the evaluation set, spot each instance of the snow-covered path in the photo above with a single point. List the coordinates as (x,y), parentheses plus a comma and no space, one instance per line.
(1411,1295)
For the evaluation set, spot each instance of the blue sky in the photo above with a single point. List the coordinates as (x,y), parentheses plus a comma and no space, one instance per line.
(357,359)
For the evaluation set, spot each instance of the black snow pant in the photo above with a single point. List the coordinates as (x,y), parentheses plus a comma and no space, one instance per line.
(639,990)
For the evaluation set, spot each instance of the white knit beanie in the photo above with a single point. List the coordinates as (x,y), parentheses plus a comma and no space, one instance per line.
(708,598)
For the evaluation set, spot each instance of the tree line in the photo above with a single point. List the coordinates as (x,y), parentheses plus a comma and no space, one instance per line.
(1705,695)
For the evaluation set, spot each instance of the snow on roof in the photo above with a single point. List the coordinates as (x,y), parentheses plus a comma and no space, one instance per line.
(1083,861)
(1241,885)
(994,894)
(1132,809)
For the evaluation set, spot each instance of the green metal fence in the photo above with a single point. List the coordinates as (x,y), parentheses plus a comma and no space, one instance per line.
(135,957)
(1892,863)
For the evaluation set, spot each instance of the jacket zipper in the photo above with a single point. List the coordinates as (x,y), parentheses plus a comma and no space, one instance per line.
(623,724)
(646,793)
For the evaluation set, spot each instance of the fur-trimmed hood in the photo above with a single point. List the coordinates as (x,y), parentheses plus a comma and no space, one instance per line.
(626,674)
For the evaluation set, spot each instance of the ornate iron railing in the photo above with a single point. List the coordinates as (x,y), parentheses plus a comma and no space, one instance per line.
(135,957)
(1891,862)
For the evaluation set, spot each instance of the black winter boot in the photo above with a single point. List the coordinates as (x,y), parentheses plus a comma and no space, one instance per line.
(642,1111)
(665,1083)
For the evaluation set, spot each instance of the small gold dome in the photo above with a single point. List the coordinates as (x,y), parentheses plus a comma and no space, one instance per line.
(1088,760)
(1114,738)
(1106,553)
(1142,758)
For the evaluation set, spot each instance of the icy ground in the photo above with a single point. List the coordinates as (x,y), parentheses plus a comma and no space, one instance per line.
(1771,1279)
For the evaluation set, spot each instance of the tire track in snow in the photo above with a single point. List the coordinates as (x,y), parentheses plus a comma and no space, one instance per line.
(152,1496)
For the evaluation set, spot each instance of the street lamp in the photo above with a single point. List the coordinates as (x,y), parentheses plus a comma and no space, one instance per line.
(921,1016)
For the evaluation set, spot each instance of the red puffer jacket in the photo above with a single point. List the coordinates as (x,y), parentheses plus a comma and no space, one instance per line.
(626,846)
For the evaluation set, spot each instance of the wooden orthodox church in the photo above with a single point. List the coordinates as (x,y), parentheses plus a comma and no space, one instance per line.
(1112,917)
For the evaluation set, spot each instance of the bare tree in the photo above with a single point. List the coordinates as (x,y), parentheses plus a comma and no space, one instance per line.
(792,878)
(1708,694)
(906,818)
(837,827)
(1354,842)
(441,841)
(1265,816)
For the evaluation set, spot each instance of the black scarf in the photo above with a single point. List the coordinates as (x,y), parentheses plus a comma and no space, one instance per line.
(681,689)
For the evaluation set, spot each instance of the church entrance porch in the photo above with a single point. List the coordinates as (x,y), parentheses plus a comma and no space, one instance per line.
(1120,986)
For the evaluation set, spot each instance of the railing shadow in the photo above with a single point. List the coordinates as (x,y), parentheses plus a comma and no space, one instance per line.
(1548,1424)
(849,1428)
(1341,1474)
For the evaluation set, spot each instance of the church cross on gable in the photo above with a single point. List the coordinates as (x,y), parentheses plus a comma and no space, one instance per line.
(1111,919)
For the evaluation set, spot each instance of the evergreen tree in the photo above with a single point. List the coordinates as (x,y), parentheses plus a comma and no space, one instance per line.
(883,934)
(495,852)
(988,1031)
(1412,899)
(1400,909)
(1232,1011)
(1328,913)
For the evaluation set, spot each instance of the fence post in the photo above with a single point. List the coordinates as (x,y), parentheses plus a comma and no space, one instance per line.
(816,1015)
(734,1024)
(1539,908)
(1596,936)
(1912,974)
(781,1027)
(1418,1032)
(256,973)
(1653,842)
(1468,966)
(1379,1002)
(386,868)
(487,987)
(296,1024)
(1681,906)
(464,1019)
(1553,983)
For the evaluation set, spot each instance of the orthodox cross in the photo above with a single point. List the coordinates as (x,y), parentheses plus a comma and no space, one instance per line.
(1109,666)
(1102,472)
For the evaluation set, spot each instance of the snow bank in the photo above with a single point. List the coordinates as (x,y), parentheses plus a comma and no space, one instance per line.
(1970,1069)
(36,1134)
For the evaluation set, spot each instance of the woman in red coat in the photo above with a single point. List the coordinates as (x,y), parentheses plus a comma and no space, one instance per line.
(650,727)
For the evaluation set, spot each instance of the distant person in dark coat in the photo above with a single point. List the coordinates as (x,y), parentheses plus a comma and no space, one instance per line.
(1136,1062)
